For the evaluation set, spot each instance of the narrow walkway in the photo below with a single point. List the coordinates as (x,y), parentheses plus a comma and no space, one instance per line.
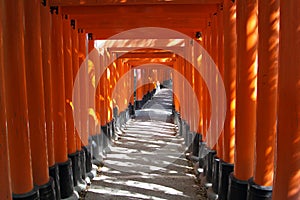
(147,161)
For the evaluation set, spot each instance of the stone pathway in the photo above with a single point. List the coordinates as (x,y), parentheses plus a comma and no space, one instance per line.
(147,161)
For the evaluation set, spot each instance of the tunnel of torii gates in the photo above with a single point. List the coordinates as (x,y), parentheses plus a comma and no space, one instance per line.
(43,44)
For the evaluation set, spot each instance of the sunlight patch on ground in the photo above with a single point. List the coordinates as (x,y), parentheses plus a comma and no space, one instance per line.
(147,186)
(116,192)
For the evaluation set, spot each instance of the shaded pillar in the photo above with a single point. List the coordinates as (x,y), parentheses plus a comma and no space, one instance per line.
(75,62)
(47,82)
(58,102)
(83,88)
(84,98)
(73,154)
(91,82)
(268,23)
(68,78)
(5,189)
(16,100)
(80,155)
(226,164)
(287,173)
(35,97)
(246,27)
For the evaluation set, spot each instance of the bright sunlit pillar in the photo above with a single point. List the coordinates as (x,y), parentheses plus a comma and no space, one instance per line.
(287,171)
(246,28)
(268,25)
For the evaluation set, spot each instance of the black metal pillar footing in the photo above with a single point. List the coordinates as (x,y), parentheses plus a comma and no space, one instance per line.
(196,143)
(258,192)
(105,137)
(237,188)
(32,195)
(113,128)
(75,158)
(88,159)
(82,164)
(66,179)
(54,173)
(215,175)
(210,158)
(47,191)
(224,171)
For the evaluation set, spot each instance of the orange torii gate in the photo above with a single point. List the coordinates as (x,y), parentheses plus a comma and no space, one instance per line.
(41,54)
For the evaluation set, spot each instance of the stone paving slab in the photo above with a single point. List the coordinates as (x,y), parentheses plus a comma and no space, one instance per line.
(147,161)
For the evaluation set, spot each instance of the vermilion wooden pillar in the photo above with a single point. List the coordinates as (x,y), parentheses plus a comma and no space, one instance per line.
(246,26)
(221,70)
(268,31)
(5,189)
(220,64)
(207,63)
(226,164)
(204,104)
(176,85)
(102,87)
(16,99)
(58,100)
(128,67)
(47,82)
(84,99)
(229,79)
(35,92)
(68,77)
(91,82)
(58,97)
(75,61)
(213,159)
(287,170)
(214,54)
(47,62)
(80,185)
(83,88)
(35,97)
(73,152)
(140,88)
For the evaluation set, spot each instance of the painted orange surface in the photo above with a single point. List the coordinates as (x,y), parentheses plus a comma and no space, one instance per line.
(16,96)
(229,79)
(35,92)
(266,113)
(47,63)
(286,185)
(5,181)
(246,24)
(68,77)
(58,85)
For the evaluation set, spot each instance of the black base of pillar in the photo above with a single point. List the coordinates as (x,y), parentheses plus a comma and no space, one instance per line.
(196,144)
(237,188)
(88,159)
(47,191)
(66,179)
(113,128)
(32,195)
(258,192)
(205,163)
(224,171)
(54,173)
(75,158)
(104,137)
(138,104)
(209,170)
(215,175)
(82,164)
(97,147)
